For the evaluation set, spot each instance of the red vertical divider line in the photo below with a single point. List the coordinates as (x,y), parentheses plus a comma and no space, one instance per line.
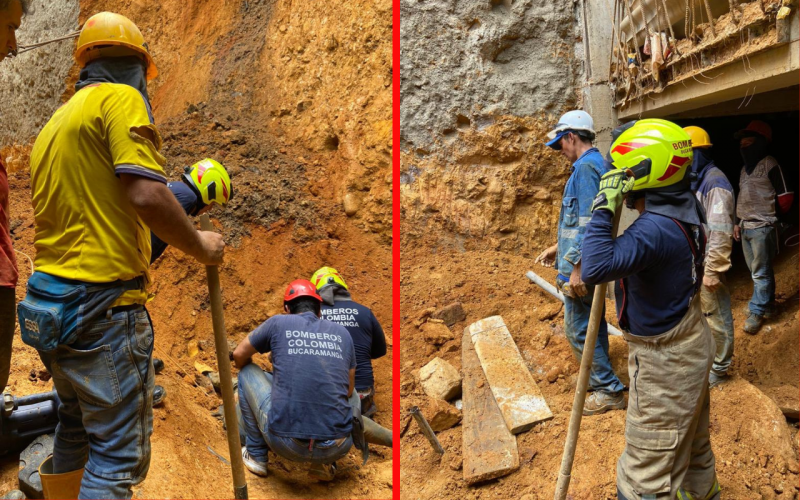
(396,249)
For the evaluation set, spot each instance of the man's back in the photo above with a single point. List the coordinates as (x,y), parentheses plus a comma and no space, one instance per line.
(366,332)
(311,360)
(86,229)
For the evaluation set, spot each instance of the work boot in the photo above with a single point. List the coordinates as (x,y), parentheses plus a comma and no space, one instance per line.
(715,380)
(158,365)
(253,465)
(368,407)
(159,393)
(323,472)
(753,323)
(770,311)
(64,485)
(601,402)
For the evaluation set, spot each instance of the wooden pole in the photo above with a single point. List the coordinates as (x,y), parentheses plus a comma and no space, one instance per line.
(595,315)
(225,376)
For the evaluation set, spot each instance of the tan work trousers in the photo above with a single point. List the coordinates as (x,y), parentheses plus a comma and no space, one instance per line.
(667,444)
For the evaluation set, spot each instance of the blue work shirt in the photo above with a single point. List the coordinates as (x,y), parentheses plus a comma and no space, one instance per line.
(188,200)
(311,363)
(576,208)
(658,272)
(368,337)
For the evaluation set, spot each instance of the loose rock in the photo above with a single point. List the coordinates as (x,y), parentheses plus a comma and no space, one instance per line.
(436,333)
(440,380)
(441,415)
(451,314)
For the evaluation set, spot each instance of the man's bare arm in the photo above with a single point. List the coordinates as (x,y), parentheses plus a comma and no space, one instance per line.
(158,208)
(352,382)
(243,354)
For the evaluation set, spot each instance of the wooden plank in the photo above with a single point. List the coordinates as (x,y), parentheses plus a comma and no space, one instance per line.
(489,449)
(516,393)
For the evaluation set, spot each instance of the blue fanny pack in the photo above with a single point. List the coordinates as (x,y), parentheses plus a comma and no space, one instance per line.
(56,310)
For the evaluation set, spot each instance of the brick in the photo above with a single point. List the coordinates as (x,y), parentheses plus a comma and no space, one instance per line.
(517,395)
(440,380)
(489,449)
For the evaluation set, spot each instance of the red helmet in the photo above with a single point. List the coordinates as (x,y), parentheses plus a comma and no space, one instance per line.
(300,288)
(755,127)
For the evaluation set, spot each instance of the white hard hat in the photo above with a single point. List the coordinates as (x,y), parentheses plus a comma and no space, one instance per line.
(571,121)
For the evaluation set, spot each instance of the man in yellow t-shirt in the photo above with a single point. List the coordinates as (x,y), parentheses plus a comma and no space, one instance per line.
(98,189)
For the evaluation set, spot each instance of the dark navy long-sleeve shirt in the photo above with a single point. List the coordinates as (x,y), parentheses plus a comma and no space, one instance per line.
(188,201)
(654,261)
(368,337)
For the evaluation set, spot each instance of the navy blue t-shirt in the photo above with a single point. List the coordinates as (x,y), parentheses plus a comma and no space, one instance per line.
(311,360)
(656,261)
(368,337)
(188,201)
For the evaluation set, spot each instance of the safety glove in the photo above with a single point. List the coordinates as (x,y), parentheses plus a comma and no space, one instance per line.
(613,187)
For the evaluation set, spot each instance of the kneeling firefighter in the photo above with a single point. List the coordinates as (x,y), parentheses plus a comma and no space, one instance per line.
(658,262)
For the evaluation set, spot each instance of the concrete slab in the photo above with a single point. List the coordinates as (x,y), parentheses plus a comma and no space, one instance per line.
(489,449)
(517,395)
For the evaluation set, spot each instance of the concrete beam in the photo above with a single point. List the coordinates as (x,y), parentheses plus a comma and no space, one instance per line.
(770,70)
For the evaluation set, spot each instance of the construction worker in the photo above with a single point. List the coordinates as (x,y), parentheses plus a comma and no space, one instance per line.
(204,184)
(715,194)
(94,207)
(761,184)
(306,410)
(573,136)
(368,337)
(659,262)
(11,12)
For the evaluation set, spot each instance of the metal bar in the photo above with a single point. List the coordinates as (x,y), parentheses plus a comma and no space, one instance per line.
(426,429)
(547,287)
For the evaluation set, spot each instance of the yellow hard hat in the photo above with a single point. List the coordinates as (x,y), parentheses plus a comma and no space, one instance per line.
(209,180)
(107,30)
(667,147)
(700,138)
(327,276)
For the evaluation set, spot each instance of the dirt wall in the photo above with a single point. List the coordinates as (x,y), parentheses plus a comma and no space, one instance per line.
(481,82)
(32,84)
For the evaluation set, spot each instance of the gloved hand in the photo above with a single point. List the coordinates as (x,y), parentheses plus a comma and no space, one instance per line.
(613,186)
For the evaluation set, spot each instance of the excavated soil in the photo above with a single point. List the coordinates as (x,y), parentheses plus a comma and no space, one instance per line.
(232,78)
(755,447)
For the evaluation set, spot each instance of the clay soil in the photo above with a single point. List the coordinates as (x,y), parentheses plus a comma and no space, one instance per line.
(216,98)
(755,446)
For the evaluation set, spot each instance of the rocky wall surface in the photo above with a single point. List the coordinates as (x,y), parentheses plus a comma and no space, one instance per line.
(32,84)
(482,81)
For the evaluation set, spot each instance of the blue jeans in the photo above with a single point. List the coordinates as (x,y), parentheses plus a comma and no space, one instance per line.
(255,400)
(760,246)
(105,381)
(716,307)
(576,319)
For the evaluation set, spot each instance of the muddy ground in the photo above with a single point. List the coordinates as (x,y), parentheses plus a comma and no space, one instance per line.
(294,100)
(755,445)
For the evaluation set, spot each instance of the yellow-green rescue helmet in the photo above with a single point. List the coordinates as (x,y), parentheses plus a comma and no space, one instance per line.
(210,181)
(665,144)
(327,276)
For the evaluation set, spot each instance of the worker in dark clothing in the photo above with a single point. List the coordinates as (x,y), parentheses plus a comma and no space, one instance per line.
(307,409)
(204,183)
(715,194)
(659,262)
(368,337)
(761,187)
